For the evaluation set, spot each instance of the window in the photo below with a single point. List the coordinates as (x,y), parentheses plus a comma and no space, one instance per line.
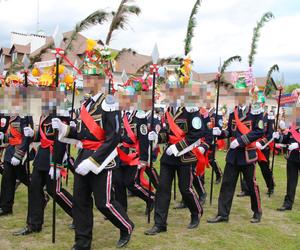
(14,56)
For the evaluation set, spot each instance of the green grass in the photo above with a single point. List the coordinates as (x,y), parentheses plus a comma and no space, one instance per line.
(276,231)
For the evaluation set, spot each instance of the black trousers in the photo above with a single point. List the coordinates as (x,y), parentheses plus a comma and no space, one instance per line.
(153,176)
(163,194)
(101,187)
(129,177)
(267,175)
(213,163)
(9,176)
(230,178)
(198,184)
(292,172)
(36,202)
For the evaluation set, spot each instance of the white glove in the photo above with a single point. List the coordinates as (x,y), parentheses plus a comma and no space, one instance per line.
(202,150)
(28,132)
(234,144)
(57,124)
(258,145)
(293,146)
(276,135)
(1,136)
(85,167)
(72,124)
(15,161)
(217,131)
(51,173)
(172,150)
(282,124)
(152,136)
(142,164)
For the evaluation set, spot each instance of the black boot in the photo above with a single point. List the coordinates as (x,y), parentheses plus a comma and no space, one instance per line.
(242,194)
(180,205)
(194,222)
(270,191)
(155,230)
(218,179)
(3,212)
(284,208)
(150,206)
(203,198)
(25,231)
(218,219)
(256,218)
(124,239)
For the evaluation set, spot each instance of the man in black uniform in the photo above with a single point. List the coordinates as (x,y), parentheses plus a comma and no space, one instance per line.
(49,151)
(4,121)
(98,133)
(245,126)
(183,129)
(292,138)
(134,141)
(14,154)
(212,160)
(269,123)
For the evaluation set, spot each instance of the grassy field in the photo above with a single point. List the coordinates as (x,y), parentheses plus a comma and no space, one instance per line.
(276,231)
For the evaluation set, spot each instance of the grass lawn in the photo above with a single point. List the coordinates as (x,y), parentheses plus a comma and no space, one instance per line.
(276,231)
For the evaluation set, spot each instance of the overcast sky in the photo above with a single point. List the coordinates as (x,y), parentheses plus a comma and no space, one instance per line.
(224,29)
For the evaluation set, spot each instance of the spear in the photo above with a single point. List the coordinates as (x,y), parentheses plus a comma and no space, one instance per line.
(26,63)
(218,80)
(155,56)
(57,37)
(71,116)
(277,117)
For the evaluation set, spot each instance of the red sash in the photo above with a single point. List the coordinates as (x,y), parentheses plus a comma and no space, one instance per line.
(90,123)
(94,129)
(295,134)
(245,130)
(45,142)
(179,135)
(16,138)
(129,159)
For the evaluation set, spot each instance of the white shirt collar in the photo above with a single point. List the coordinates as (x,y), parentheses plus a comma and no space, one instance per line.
(242,107)
(96,97)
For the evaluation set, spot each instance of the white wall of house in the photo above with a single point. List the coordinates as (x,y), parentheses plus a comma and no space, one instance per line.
(36,41)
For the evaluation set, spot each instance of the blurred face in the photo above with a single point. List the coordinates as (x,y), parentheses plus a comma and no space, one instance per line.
(93,85)
(241,98)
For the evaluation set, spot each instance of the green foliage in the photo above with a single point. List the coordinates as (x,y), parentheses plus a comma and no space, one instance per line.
(97,17)
(190,28)
(289,88)
(270,85)
(120,18)
(256,34)
(229,61)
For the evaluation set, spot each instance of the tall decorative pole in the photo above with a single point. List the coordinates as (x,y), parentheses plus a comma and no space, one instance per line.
(153,71)
(26,63)
(57,37)
(280,88)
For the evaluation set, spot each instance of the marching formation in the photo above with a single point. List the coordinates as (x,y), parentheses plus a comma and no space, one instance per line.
(110,142)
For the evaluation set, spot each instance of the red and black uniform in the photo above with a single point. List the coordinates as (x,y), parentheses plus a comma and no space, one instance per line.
(17,147)
(292,167)
(211,158)
(135,143)
(99,132)
(49,151)
(246,126)
(152,172)
(4,122)
(269,124)
(183,128)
